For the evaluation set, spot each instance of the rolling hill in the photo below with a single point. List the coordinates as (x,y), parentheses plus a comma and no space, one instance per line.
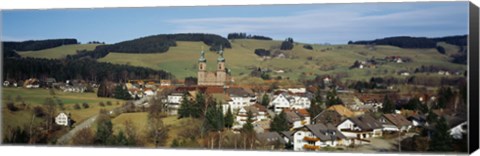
(181,60)
(57,52)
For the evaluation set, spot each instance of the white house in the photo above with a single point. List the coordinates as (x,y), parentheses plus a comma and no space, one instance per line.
(259,113)
(239,98)
(395,122)
(360,128)
(173,102)
(285,101)
(313,137)
(61,119)
(457,131)
(280,102)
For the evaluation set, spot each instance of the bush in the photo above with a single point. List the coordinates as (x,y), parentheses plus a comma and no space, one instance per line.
(101,104)
(76,106)
(441,49)
(11,106)
(38,111)
(109,103)
(309,47)
(85,105)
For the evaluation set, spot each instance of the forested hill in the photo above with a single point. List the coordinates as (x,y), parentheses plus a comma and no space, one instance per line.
(415,42)
(161,43)
(34,45)
(85,69)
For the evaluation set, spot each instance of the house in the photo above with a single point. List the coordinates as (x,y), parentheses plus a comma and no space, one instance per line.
(417,120)
(395,122)
(270,141)
(6,83)
(164,83)
(31,83)
(328,116)
(342,110)
(458,130)
(360,128)
(259,113)
(62,119)
(296,118)
(50,81)
(173,102)
(287,101)
(262,126)
(314,137)
(239,98)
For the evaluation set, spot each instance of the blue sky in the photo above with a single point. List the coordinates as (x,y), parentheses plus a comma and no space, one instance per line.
(318,23)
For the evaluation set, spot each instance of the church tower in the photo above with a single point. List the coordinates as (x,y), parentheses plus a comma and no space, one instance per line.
(202,68)
(221,71)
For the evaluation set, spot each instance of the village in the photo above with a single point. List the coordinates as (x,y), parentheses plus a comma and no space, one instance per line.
(299,118)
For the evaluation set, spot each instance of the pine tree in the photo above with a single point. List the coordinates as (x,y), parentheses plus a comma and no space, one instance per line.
(265,100)
(314,109)
(441,139)
(214,118)
(388,106)
(185,108)
(248,126)
(229,118)
(279,123)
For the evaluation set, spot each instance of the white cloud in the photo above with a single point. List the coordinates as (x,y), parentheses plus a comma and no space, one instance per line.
(338,24)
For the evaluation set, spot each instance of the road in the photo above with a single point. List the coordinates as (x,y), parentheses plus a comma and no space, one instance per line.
(65,139)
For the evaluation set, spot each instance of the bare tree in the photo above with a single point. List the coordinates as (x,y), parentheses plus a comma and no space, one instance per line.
(83,137)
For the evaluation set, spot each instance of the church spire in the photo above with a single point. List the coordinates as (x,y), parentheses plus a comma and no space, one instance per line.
(202,56)
(220,52)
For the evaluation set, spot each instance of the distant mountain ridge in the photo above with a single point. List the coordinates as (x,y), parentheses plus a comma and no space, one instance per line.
(34,45)
(415,42)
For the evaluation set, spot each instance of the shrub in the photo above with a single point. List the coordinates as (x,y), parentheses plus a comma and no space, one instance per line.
(441,49)
(38,111)
(101,104)
(109,103)
(76,106)
(309,47)
(11,106)
(85,105)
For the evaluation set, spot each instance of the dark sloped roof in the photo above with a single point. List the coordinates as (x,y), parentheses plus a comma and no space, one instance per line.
(288,134)
(397,119)
(270,138)
(238,92)
(366,122)
(292,116)
(325,132)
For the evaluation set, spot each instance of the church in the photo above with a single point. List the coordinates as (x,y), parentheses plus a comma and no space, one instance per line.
(209,78)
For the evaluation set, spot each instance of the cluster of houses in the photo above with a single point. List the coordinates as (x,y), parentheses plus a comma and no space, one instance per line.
(78,86)
(339,125)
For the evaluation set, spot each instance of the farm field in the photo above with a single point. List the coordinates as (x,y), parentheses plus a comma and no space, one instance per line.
(57,52)
(35,97)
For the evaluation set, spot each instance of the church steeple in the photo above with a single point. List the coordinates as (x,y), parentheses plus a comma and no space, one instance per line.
(202,56)
(220,57)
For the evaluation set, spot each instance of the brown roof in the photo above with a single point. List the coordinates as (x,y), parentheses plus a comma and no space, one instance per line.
(342,110)
(397,119)
(303,112)
(328,116)
(325,132)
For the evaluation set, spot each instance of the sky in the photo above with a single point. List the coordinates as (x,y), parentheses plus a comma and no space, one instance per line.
(307,23)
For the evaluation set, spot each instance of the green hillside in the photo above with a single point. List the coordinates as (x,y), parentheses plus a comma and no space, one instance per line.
(181,60)
(57,52)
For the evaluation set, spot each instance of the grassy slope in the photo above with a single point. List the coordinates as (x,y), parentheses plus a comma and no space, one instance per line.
(34,97)
(182,59)
(57,52)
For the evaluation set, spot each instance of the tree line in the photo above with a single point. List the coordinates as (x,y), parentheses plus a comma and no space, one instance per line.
(34,45)
(85,69)
(245,36)
(161,43)
(415,42)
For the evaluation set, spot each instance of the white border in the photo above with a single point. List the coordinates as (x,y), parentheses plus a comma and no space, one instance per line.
(74,151)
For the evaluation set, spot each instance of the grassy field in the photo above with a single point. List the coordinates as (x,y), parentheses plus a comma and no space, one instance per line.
(57,52)
(323,59)
(140,121)
(35,97)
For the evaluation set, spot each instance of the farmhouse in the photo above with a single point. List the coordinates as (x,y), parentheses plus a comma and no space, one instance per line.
(360,128)
(395,122)
(314,137)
